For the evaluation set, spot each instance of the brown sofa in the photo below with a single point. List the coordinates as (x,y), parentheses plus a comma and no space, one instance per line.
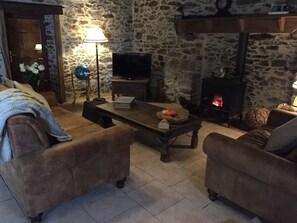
(43,174)
(242,171)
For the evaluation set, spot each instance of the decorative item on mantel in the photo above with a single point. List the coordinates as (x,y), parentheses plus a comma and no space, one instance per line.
(33,74)
(223,6)
(180,13)
(279,9)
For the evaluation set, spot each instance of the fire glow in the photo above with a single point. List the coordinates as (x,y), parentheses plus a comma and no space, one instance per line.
(217,101)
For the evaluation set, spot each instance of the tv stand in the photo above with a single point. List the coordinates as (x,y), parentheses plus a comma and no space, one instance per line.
(136,88)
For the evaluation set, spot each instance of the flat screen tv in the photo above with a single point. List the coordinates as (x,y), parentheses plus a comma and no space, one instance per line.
(131,65)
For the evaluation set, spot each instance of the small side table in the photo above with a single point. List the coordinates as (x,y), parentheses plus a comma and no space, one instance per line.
(137,88)
(75,92)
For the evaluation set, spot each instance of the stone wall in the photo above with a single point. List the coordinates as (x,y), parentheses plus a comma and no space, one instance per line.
(181,61)
(51,52)
(269,82)
(114,17)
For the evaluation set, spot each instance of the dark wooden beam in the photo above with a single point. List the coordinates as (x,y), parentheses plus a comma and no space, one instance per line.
(32,9)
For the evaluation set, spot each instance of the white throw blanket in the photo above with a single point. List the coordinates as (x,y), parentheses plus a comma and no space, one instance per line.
(14,101)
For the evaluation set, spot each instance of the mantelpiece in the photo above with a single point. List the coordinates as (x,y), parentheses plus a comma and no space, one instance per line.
(238,24)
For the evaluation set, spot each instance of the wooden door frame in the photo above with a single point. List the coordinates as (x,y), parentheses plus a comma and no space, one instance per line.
(60,63)
(33,10)
(40,18)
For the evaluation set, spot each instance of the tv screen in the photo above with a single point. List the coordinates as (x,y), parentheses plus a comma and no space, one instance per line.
(131,65)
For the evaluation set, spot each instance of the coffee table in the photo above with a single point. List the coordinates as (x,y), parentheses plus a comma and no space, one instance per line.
(142,116)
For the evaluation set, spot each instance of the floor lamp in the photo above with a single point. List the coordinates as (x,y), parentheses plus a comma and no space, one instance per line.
(95,35)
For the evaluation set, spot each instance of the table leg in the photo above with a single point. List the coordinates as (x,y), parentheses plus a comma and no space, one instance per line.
(165,154)
(194,140)
(88,89)
(74,91)
(112,96)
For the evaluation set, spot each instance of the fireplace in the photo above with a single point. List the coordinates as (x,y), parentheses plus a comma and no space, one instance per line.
(223,97)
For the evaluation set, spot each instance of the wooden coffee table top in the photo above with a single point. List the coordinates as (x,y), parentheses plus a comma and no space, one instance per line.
(143,116)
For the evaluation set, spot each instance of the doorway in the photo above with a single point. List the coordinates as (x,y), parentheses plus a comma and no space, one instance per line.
(25,41)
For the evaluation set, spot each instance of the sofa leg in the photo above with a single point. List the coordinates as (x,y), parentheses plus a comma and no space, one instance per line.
(213,196)
(36,219)
(121,183)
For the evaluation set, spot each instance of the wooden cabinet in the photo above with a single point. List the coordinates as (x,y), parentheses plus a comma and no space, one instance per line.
(238,24)
(137,88)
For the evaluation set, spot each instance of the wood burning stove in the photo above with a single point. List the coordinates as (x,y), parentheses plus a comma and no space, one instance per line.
(224,97)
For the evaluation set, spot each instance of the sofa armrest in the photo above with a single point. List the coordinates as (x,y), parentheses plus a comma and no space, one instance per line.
(26,135)
(111,140)
(259,164)
(51,97)
(73,153)
(278,117)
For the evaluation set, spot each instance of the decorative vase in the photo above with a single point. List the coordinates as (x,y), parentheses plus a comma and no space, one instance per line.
(34,84)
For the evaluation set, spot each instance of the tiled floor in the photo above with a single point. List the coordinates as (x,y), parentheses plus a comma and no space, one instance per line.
(155,192)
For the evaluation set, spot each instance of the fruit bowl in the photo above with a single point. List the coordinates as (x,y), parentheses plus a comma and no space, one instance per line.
(174,115)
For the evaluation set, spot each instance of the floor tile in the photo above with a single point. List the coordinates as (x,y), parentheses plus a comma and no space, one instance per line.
(108,205)
(11,212)
(137,148)
(169,173)
(226,210)
(186,211)
(183,157)
(199,151)
(84,218)
(4,192)
(146,160)
(63,213)
(193,188)
(197,167)
(96,194)
(155,197)
(135,215)
(136,179)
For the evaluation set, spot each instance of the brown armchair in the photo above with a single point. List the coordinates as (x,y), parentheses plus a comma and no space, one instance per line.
(43,174)
(257,180)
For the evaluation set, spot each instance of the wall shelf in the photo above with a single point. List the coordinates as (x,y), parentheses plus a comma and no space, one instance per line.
(286,23)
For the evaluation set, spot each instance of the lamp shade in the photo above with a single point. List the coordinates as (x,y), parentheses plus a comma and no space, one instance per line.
(294,85)
(38,47)
(95,35)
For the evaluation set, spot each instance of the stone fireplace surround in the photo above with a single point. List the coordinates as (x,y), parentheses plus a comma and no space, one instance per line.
(179,61)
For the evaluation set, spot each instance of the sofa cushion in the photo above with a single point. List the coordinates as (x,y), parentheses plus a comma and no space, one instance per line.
(283,139)
(2,87)
(6,82)
(29,90)
(74,124)
(292,156)
(256,138)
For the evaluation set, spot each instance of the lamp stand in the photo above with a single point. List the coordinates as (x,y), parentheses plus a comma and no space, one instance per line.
(99,99)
